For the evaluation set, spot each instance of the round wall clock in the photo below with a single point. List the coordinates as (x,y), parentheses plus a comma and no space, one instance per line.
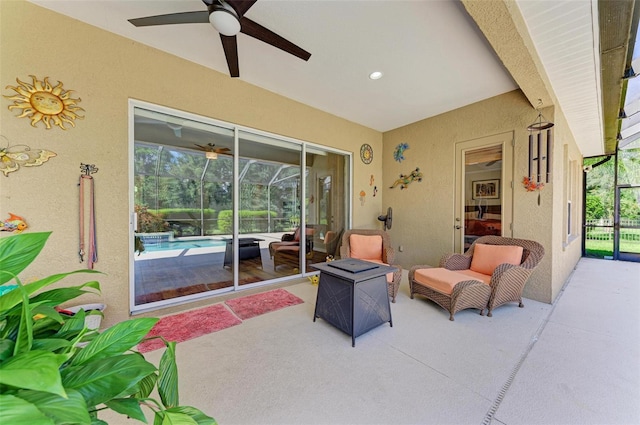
(366,153)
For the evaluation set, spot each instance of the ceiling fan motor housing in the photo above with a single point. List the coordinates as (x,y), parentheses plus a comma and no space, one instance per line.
(224,19)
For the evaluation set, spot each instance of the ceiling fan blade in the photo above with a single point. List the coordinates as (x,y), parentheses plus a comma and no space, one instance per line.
(241,6)
(230,46)
(222,150)
(261,33)
(199,17)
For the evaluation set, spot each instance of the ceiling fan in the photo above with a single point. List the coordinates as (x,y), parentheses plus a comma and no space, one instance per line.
(227,17)
(211,152)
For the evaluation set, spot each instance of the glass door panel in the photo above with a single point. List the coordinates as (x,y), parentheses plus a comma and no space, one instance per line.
(627,233)
(483,205)
(180,194)
(483,184)
(327,209)
(269,207)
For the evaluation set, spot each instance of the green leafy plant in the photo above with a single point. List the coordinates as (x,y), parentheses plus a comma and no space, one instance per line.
(54,371)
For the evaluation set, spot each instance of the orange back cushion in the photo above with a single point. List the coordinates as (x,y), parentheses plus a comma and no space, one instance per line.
(366,247)
(487,257)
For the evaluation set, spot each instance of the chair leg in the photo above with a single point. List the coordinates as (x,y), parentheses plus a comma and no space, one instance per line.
(451,317)
(521,305)
(489,314)
(482,312)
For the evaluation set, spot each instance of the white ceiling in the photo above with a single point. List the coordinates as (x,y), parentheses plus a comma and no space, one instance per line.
(433,57)
(566,37)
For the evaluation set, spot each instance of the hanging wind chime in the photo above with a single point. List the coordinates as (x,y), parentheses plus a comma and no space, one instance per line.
(540,148)
(92,254)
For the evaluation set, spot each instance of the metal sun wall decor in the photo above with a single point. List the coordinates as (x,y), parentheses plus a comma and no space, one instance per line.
(398,152)
(13,157)
(405,180)
(40,101)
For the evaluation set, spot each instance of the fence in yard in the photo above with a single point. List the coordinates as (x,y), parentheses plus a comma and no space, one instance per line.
(602,230)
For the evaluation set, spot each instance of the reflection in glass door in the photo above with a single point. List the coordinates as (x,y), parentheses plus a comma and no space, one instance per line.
(483,182)
(327,203)
(483,206)
(269,184)
(182,207)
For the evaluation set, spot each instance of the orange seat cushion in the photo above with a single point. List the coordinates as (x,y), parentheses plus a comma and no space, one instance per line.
(277,245)
(287,248)
(487,257)
(365,247)
(389,275)
(486,278)
(441,280)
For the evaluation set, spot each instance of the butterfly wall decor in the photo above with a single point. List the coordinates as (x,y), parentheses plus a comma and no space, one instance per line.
(14,157)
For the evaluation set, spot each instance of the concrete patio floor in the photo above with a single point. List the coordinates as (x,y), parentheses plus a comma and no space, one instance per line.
(574,362)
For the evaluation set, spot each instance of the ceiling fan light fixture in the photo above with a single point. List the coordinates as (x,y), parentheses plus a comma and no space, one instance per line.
(376,75)
(224,20)
(211,155)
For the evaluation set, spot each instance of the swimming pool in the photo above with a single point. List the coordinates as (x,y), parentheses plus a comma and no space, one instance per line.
(183,244)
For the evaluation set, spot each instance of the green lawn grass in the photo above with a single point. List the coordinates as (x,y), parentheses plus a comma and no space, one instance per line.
(601,249)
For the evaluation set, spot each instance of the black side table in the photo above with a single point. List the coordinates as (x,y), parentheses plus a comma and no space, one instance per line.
(353,296)
(249,248)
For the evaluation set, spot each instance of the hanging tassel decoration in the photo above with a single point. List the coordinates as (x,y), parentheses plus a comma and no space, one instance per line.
(92,255)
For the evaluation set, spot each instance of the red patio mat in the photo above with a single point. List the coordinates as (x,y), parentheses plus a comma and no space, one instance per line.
(254,305)
(188,325)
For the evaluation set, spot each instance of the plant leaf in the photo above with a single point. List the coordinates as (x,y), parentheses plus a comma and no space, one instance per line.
(127,406)
(116,340)
(16,411)
(25,328)
(103,379)
(72,325)
(64,411)
(168,377)
(55,297)
(17,252)
(195,414)
(174,418)
(34,370)
(6,349)
(12,298)
(146,385)
(50,344)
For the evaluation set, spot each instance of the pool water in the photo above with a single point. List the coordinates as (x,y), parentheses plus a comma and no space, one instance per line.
(184,244)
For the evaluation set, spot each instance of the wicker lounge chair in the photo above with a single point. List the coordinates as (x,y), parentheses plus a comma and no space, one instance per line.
(499,284)
(385,255)
(287,250)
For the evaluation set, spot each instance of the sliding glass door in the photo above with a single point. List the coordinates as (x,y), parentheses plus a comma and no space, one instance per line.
(217,208)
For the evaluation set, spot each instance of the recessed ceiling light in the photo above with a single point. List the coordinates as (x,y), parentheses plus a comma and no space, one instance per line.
(376,75)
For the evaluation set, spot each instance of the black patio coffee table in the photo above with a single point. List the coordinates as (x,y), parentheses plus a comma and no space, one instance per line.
(353,296)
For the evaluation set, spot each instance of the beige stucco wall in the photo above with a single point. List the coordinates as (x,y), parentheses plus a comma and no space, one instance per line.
(105,71)
(424,213)
(567,250)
